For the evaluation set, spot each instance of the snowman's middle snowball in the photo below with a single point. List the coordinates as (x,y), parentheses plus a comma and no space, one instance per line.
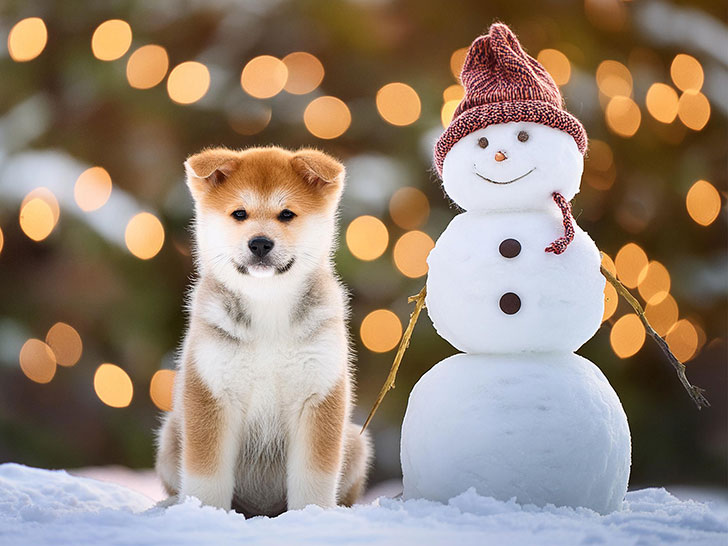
(560,298)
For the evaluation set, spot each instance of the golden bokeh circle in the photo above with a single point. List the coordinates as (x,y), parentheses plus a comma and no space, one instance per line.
(27,39)
(147,66)
(409,208)
(188,82)
(264,77)
(630,261)
(92,189)
(161,388)
(327,117)
(113,386)
(398,104)
(627,336)
(305,73)
(144,235)
(37,361)
(410,253)
(557,64)
(367,237)
(703,202)
(381,331)
(65,342)
(111,40)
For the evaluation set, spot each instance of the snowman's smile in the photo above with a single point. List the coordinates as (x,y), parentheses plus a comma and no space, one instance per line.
(506,181)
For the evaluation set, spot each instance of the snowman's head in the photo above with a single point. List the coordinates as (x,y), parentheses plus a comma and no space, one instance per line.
(512,166)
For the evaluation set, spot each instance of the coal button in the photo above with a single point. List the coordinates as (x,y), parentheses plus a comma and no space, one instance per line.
(510,303)
(510,248)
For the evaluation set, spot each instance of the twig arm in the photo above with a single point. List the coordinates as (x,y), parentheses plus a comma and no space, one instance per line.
(419,300)
(696,393)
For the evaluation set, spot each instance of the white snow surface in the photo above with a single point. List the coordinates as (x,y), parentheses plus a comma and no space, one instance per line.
(51,507)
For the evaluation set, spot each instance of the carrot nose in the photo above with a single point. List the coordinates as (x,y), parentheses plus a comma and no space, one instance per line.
(500,156)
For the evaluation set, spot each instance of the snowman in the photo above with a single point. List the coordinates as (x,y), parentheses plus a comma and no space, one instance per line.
(515,285)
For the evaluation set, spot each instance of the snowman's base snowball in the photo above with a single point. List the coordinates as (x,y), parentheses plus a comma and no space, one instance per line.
(545,428)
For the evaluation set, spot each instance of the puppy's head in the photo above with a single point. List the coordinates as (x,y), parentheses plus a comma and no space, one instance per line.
(264,212)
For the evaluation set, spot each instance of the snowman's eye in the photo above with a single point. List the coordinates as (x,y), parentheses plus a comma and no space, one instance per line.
(483,142)
(523,136)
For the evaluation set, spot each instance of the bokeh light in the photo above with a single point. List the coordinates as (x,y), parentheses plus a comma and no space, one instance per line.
(2,241)
(92,189)
(682,340)
(457,60)
(614,79)
(409,208)
(327,117)
(686,73)
(600,171)
(367,237)
(188,82)
(703,202)
(147,66)
(37,361)
(608,264)
(630,261)
(305,72)
(611,300)
(111,40)
(381,331)
(65,342)
(27,39)
(160,389)
(653,282)
(44,194)
(448,111)
(661,101)
(113,386)
(627,336)
(453,92)
(609,15)
(251,121)
(144,235)
(264,77)
(623,116)
(557,64)
(36,219)
(410,253)
(662,315)
(398,104)
(693,109)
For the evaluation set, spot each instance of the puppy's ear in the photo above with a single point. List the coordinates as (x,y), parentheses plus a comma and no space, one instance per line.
(318,168)
(210,167)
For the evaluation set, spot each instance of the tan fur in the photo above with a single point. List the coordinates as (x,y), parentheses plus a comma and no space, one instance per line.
(203,421)
(327,429)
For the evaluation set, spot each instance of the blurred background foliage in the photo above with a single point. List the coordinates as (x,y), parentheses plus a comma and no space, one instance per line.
(107,254)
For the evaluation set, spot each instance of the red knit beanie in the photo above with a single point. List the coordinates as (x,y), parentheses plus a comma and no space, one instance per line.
(503,83)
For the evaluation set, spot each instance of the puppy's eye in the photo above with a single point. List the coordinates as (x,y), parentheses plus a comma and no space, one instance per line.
(286,215)
(239,214)
(523,136)
(483,142)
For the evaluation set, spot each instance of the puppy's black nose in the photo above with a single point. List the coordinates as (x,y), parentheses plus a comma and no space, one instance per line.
(260,246)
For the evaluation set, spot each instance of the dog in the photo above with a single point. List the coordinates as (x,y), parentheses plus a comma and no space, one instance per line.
(263,394)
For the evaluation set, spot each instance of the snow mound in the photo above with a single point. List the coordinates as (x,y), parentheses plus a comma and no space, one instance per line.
(51,507)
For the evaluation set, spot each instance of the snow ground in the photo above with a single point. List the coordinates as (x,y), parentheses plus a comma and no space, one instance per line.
(51,507)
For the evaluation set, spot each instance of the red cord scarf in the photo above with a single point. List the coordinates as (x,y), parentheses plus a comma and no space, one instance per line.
(560,244)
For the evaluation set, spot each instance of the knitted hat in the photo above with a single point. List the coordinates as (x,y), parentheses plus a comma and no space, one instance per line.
(503,83)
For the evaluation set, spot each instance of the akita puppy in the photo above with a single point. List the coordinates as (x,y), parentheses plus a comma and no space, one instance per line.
(263,395)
